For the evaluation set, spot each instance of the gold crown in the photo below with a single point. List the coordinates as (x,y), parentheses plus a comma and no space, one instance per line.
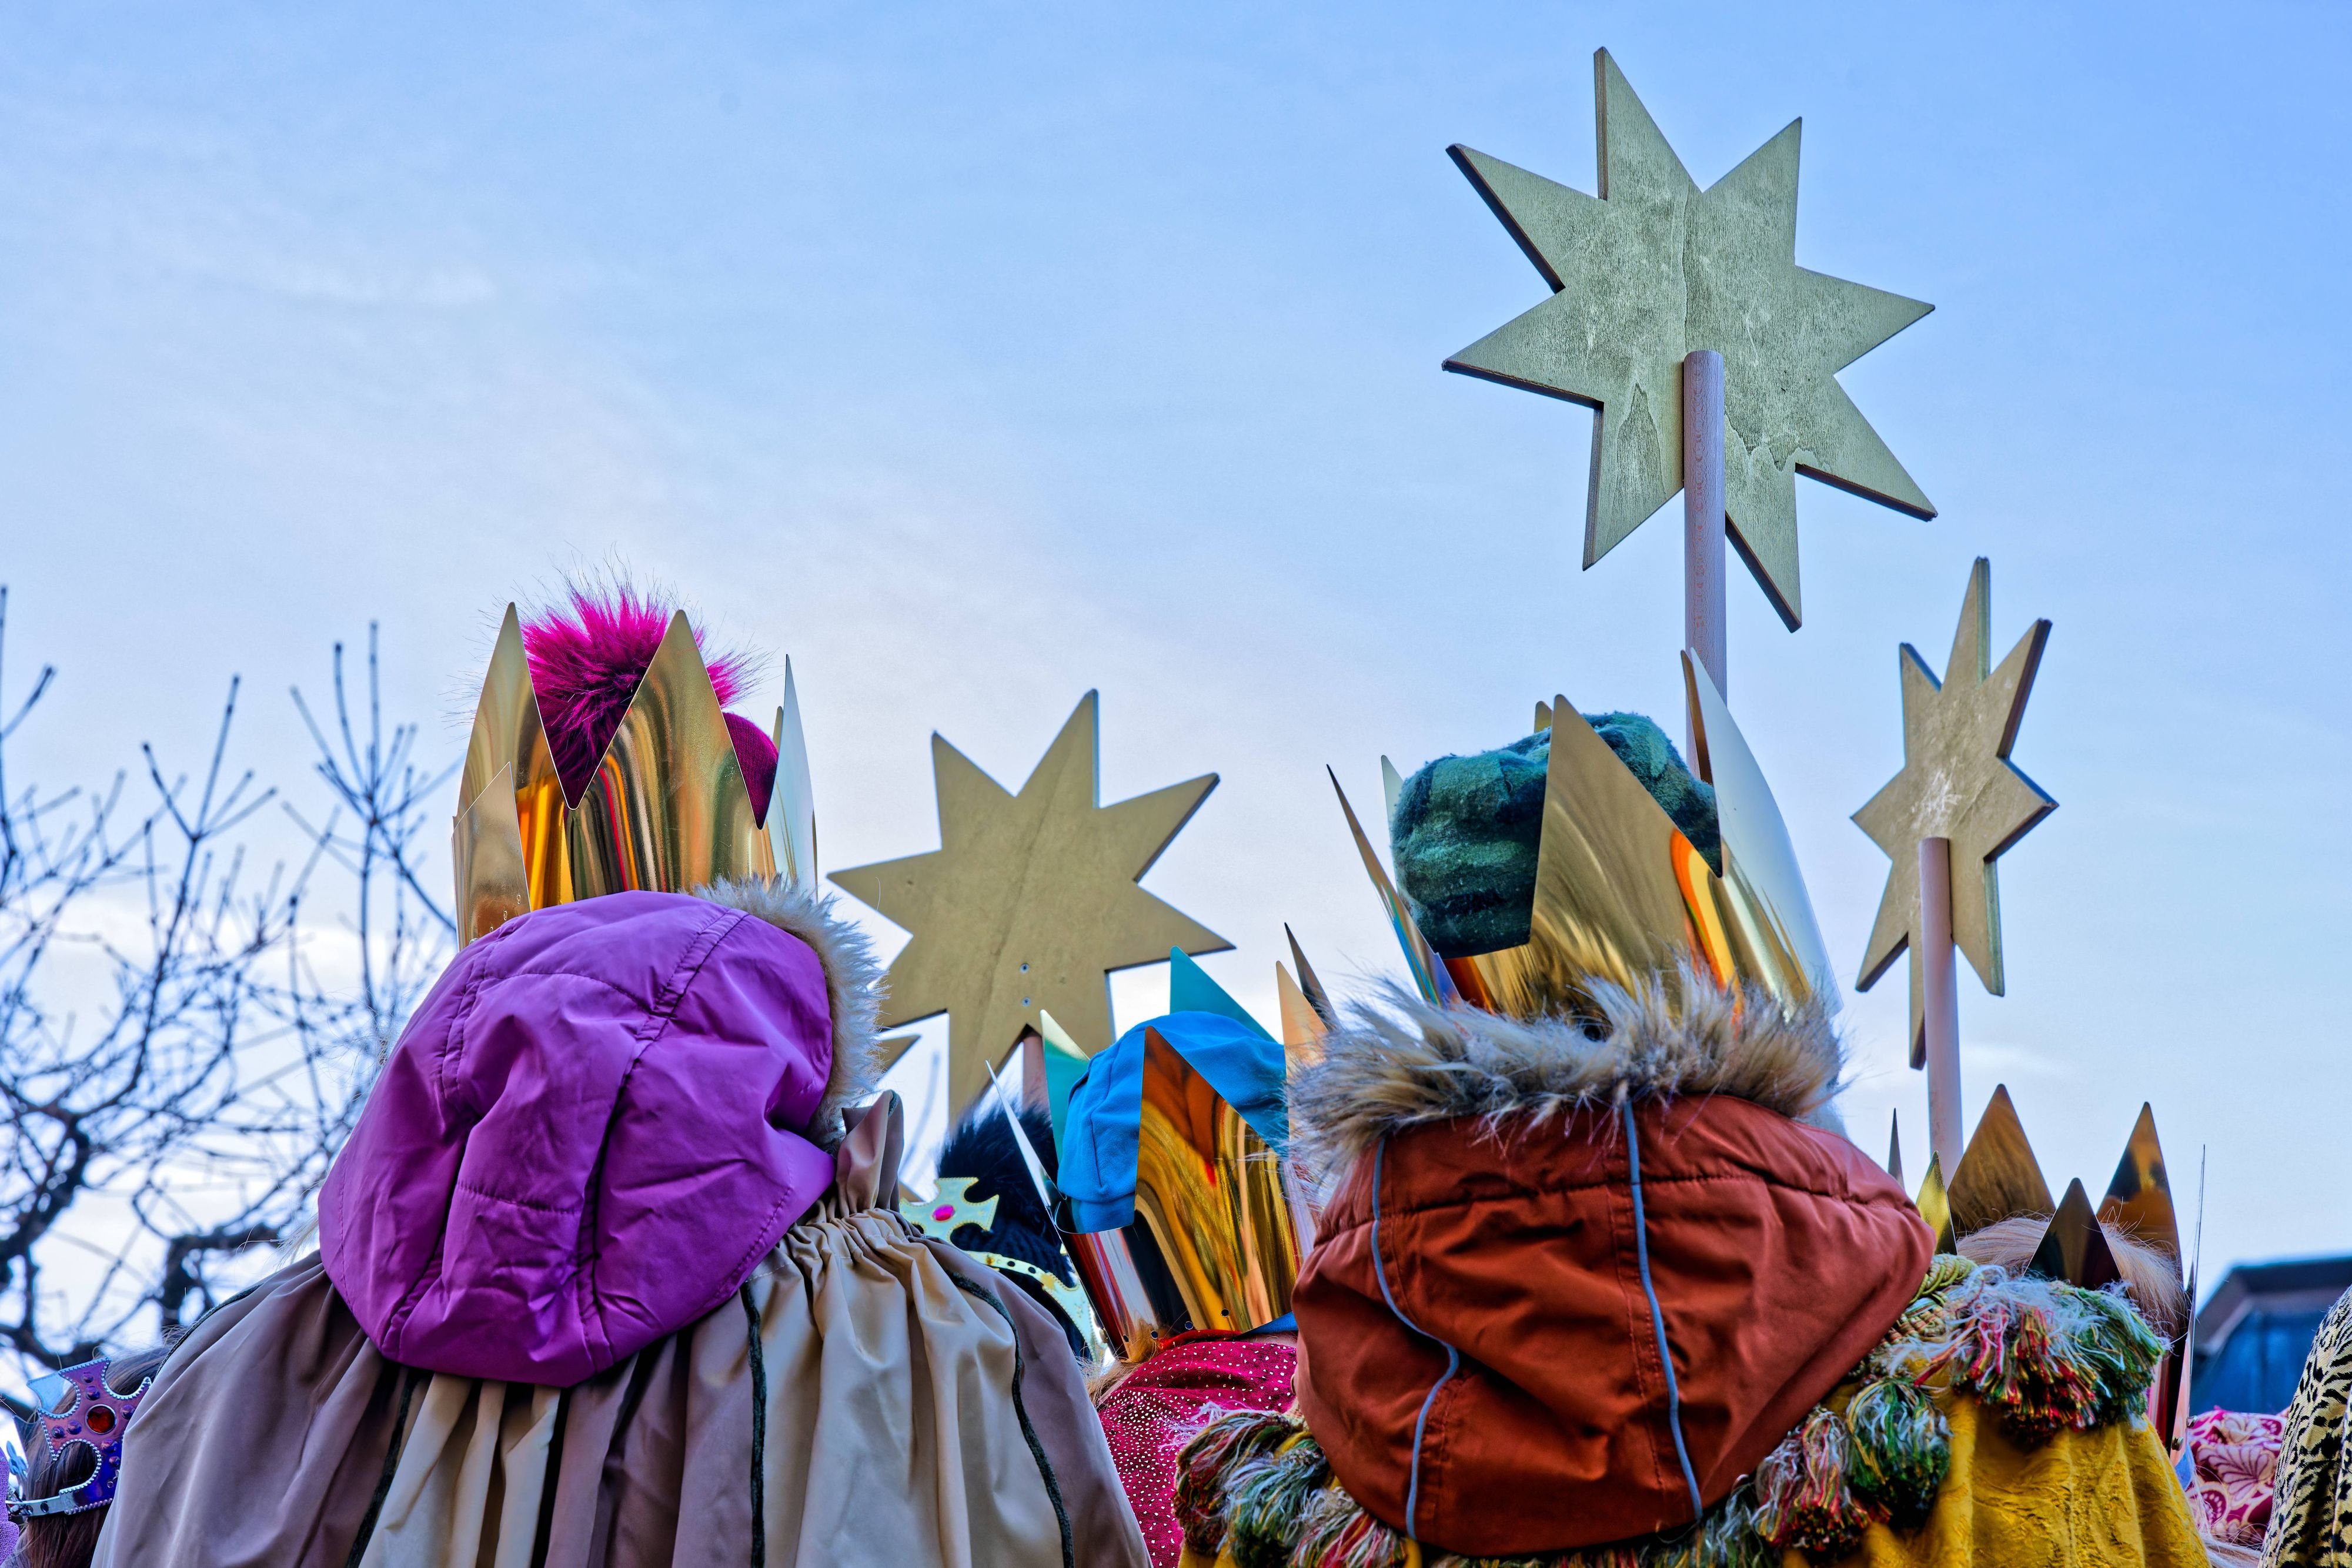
(1218,1232)
(668,809)
(1622,896)
(1998,1179)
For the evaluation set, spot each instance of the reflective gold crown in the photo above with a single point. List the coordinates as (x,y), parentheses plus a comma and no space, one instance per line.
(1999,1179)
(1622,898)
(666,811)
(1998,1182)
(1225,1231)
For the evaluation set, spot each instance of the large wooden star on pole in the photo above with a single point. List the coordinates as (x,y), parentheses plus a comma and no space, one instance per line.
(1029,901)
(1957,783)
(1653,269)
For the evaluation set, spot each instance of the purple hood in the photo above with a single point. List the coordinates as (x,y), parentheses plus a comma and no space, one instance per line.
(595,1126)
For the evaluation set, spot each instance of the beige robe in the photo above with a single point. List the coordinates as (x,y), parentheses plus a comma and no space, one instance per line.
(892,1434)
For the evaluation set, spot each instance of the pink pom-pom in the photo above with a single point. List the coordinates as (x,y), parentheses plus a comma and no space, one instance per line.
(755,753)
(587,657)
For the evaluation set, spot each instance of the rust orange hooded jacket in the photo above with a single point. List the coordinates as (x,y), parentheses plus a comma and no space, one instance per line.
(1477,1299)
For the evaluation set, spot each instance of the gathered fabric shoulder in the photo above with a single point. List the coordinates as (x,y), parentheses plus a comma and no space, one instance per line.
(871,1396)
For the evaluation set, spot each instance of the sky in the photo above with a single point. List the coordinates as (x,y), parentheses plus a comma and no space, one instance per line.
(979,355)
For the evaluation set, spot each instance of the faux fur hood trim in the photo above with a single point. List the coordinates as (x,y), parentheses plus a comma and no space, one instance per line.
(1399,1062)
(853,985)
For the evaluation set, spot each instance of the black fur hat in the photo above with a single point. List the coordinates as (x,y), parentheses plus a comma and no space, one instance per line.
(982,1150)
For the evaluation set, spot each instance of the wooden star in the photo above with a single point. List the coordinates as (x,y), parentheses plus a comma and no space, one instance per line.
(1029,901)
(1653,269)
(1957,783)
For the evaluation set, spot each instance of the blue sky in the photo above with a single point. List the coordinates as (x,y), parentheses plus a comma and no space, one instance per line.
(979,355)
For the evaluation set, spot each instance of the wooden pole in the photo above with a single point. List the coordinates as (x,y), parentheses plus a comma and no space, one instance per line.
(1940,1003)
(1702,630)
(1033,1094)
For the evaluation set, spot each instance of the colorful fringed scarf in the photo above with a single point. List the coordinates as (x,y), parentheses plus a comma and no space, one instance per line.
(2040,1355)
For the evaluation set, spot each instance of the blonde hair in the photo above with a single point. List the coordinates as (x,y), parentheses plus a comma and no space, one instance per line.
(2150,1273)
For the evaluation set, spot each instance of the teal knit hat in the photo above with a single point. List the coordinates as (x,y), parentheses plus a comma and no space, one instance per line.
(1465,831)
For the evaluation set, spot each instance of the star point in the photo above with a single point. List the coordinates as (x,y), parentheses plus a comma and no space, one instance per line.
(1030,901)
(1653,269)
(1957,783)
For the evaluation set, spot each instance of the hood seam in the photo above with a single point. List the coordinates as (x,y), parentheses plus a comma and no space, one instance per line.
(427,1270)
(659,1017)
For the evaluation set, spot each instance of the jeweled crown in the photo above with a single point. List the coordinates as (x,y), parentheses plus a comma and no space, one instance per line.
(667,810)
(78,1408)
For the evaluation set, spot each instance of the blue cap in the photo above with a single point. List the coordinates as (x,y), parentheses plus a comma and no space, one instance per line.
(1245,1067)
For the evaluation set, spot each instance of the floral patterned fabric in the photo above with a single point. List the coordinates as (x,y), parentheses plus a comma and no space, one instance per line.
(2234,1458)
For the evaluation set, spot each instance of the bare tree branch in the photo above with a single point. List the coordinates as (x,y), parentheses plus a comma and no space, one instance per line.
(183,1047)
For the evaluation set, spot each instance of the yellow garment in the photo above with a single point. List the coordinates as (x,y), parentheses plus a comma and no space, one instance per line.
(2101,1499)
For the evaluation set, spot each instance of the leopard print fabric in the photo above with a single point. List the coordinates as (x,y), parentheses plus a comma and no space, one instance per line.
(2311,1523)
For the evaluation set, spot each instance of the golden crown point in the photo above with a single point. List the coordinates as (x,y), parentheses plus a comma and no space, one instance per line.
(667,810)
(1429,971)
(1303,1027)
(1308,985)
(2075,1248)
(1622,898)
(1998,1178)
(2139,1199)
(1934,1205)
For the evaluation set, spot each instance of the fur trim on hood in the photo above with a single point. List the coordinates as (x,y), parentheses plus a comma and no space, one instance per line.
(853,985)
(1400,1061)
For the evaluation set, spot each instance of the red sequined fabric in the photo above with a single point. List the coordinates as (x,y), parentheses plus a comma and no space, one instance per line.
(1189,1381)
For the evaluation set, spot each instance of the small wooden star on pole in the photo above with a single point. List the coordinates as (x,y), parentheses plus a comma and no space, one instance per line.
(1029,901)
(1653,269)
(1957,783)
